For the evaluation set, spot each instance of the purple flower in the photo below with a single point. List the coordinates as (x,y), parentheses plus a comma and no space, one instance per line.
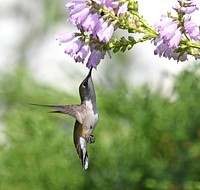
(192,29)
(79,16)
(65,37)
(175,39)
(188,10)
(182,57)
(90,22)
(170,38)
(168,32)
(105,32)
(95,58)
(166,28)
(110,4)
(164,22)
(74,46)
(75,4)
(123,9)
(186,6)
(115,4)
(161,49)
(81,54)
(99,25)
(164,50)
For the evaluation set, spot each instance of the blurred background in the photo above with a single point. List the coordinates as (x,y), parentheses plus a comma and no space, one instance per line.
(148,135)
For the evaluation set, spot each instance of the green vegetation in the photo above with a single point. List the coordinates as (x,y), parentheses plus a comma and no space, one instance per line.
(143,140)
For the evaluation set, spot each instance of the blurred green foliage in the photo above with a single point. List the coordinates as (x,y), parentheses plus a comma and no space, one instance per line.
(143,140)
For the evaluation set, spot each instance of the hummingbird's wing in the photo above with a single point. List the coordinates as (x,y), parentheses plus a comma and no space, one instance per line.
(72,110)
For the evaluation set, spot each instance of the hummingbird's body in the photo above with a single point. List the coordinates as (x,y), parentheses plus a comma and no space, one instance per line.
(83,131)
(86,115)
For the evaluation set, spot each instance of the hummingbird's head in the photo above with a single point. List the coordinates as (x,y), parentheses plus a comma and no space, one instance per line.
(86,88)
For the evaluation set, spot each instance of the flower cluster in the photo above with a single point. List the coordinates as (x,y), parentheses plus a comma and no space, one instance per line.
(96,28)
(173,29)
(176,36)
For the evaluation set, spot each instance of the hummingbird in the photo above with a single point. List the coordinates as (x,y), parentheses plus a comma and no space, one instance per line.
(86,115)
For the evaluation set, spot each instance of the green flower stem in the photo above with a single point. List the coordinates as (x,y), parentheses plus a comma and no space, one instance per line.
(193,44)
(150,28)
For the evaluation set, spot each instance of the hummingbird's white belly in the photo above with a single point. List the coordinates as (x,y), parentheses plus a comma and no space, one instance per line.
(92,117)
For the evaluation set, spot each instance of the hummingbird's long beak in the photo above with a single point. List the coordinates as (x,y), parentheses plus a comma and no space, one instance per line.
(89,74)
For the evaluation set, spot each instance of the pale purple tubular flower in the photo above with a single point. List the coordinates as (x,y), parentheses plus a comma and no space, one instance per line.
(164,50)
(79,16)
(98,27)
(78,11)
(188,10)
(108,4)
(189,7)
(82,54)
(175,39)
(114,4)
(166,28)
(100,31)
(123,9)
(90,22)
(186,6)
(192,3)
(183,57)
(74,46)
(168,32)
(95,58)
(170,35)
(64,37)
(172,54)
(105,33)
(192,29)
(75,5)
(160,49)
(108,33)
(164,22)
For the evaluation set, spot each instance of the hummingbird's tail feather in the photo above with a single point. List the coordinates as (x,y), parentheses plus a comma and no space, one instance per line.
(72,110)
(83,153)
(80,144)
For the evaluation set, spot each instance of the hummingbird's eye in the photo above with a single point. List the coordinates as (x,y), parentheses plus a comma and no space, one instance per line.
(85,83)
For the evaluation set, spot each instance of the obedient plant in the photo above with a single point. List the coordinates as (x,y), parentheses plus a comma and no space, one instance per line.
(175,35)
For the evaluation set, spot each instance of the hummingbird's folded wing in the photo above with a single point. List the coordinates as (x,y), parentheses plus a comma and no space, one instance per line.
(72,110)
